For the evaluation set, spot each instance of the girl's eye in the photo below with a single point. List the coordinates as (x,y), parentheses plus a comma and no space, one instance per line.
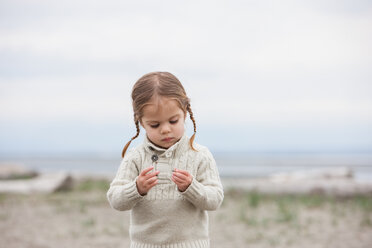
(154,126)
(173,122)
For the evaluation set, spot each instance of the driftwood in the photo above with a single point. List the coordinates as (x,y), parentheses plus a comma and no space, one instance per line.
(313,174)
(337,182)
(15,171)
(44,183)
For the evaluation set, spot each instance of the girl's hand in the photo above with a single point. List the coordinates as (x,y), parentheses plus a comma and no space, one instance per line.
(146,181)
(182,178)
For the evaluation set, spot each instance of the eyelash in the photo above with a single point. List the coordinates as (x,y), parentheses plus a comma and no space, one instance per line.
(157,125)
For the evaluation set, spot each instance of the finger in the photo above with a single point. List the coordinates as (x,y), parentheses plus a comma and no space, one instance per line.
(148,184)
(153,184)
(144,172)
(151,180)
(152,174)
(186,173)
(177,180)
(180,176)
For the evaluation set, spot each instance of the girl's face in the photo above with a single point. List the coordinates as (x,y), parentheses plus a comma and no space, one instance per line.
(163,121)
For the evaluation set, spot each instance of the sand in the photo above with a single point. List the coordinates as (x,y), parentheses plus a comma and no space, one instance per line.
(82,217)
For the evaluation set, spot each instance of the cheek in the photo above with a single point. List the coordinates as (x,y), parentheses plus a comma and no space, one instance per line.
(149,131)
(152,135)
(181,127)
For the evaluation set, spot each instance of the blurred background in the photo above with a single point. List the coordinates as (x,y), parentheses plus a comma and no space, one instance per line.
(274,85)
(279,89)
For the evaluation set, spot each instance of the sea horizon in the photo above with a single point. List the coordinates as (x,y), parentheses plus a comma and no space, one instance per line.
(230,164)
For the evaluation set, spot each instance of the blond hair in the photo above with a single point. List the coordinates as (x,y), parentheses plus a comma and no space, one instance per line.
(158,84)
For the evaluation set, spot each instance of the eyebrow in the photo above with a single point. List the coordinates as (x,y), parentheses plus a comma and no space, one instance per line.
(158,121)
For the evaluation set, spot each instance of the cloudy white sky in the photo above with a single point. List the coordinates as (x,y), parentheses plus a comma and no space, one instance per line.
(261,75)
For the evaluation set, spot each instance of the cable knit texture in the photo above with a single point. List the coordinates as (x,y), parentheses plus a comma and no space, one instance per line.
(166,217)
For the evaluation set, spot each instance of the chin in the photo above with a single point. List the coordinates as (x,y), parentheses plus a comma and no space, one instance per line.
(167,145)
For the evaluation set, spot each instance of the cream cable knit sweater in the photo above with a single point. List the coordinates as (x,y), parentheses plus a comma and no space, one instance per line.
(166,217)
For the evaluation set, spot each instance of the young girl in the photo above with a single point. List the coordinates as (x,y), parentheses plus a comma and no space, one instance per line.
(168,182)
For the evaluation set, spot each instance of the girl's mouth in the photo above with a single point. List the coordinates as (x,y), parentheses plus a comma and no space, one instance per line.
(167,139)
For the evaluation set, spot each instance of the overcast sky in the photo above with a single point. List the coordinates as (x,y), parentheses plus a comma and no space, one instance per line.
(261,75)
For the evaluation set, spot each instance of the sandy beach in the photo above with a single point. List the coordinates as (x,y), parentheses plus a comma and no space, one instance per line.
(82,217)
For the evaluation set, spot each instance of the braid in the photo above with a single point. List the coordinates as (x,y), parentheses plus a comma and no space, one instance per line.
(135,136)
(188,108)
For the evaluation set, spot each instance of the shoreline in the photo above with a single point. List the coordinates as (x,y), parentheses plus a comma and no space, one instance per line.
(337,182)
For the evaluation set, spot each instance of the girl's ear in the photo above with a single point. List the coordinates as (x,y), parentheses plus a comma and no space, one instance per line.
(139,120)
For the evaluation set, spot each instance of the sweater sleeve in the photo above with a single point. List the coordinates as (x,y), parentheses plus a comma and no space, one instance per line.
(123,194)
(205,190)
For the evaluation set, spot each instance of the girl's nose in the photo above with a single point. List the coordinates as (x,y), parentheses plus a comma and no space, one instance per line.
(165,129)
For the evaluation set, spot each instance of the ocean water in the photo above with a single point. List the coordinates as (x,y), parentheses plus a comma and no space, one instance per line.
(229,164)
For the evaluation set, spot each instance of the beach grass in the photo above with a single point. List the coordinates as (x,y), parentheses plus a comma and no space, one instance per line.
(82,217)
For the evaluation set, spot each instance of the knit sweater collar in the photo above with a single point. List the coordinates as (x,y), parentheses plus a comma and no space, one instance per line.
(178,147)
